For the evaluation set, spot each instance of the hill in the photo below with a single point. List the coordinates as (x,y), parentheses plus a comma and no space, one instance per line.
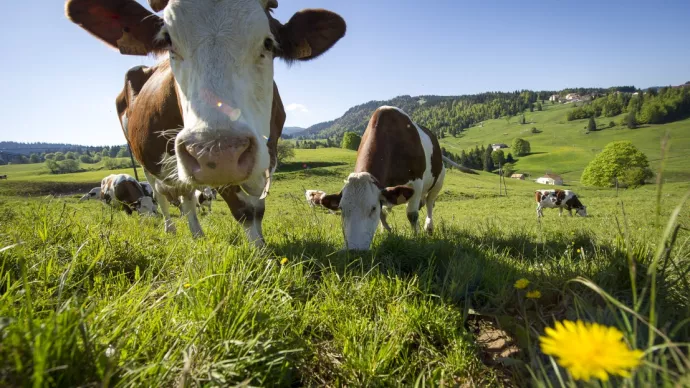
(13,147)
(290,131)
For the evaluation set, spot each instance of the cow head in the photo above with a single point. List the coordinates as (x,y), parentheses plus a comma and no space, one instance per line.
(360,203)
(221,55)
(581,211)
(146,206)
(95,193)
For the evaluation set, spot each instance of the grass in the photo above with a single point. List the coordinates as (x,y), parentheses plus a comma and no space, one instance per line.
(91,296)
(564,148)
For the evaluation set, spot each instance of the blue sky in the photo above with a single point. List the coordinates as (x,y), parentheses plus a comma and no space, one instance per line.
(60,83)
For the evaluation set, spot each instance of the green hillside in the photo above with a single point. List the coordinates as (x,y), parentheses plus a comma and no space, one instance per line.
(565,148)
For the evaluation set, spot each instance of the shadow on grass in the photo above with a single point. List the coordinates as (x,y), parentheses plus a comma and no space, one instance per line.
(306,166)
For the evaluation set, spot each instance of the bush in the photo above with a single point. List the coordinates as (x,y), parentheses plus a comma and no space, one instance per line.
(351,141)
(62,167)
(86,159)
(116,163)
(499,157)
(508,169)
(535,130)
(591,125)
(612,124)
(619,159)
(630,120)
(521,147)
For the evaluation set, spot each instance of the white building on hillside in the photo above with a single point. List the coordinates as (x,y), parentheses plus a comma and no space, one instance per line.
(550,179)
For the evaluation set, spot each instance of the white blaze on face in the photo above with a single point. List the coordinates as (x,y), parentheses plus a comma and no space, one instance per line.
(361,210)
(223,65)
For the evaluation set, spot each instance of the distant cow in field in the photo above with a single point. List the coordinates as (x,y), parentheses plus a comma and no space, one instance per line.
(314,197)
(561,199)
(205,197)
(94,193)
(3,176)
(122,190)
(398,162)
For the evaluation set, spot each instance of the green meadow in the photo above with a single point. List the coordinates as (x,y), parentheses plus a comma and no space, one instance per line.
(92,297)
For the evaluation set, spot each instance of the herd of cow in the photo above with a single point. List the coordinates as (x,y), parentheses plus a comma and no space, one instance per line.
(210,114)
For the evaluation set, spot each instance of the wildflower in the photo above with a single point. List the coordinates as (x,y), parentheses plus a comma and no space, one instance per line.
(589,350)
(521,284)
(186,285)
(578,250)
(536,294)
(283,261)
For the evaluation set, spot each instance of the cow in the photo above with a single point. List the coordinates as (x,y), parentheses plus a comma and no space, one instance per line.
(148,189)
(561,199)
(209,113)
(398,162)
(3,176)
(94,193)
(204,198)
(314,197)
(123,191)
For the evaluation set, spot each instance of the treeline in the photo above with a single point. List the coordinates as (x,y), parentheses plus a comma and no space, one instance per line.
(448,115)
(314,144)
(87,155)
(652,107)
(480,158)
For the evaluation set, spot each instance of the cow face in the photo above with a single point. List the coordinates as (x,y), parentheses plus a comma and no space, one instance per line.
(208,193)
(146,206)
(582,211)
(95,193)
(360,203)
(221,55)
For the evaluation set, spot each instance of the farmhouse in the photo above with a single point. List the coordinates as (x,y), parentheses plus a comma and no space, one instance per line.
(498,146)
(518,176)
(554,98)
(573,97)
(550,179)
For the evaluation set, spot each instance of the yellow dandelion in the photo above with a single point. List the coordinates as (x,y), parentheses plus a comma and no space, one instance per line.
(536,294)
(521,284)
(578,250)
(589,350)
(283,261)
(186,285)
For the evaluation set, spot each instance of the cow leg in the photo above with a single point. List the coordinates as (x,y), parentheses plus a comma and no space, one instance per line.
(162,202)
(414,204)
(248,211)
(189,209)
(540,213)
(560,212)
(431,201)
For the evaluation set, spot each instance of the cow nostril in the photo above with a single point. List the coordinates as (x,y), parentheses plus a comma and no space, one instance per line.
(188,159)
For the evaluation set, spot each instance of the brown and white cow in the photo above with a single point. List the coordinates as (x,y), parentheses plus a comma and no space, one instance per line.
(204,198)
(123,191)
(561,199)
(314,197)
(4,176)
(213,99)
(398,162)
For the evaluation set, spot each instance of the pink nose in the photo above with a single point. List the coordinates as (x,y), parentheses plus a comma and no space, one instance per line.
(219,160)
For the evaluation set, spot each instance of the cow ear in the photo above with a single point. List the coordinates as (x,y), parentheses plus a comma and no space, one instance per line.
(331,201)
(397,195)
(308,34)
(121,24)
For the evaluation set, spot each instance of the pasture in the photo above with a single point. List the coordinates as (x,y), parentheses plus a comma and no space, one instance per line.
(89,296)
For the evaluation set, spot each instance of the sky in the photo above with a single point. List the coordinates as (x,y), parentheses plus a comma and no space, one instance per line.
(60,83)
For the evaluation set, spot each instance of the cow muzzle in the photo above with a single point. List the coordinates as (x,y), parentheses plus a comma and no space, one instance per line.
(215,160)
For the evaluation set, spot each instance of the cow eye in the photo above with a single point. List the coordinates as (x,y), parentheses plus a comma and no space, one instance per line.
(268,44)
(373,210)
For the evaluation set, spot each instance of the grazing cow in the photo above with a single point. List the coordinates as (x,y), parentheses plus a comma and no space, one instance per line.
(213,97)
(204,198)
(314,197)
(3,176)
(561,199)
(398,162)
(148,189)
(127,194)
(95,193)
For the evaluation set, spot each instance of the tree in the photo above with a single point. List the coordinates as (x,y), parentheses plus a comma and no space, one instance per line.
(49,156)
(540,107)
(285,151)
(488,161)
(69,165)
(71,155)
(521,147)
(612,124)
(509,158)
(59,156)
(591,125)
(351,141)
(531,107)
(113,152)
(631,120)
(86,159)
(499,157)
(53,166)
(621,161)
(523,120)
(34,158)
(508,169)
(123,152)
